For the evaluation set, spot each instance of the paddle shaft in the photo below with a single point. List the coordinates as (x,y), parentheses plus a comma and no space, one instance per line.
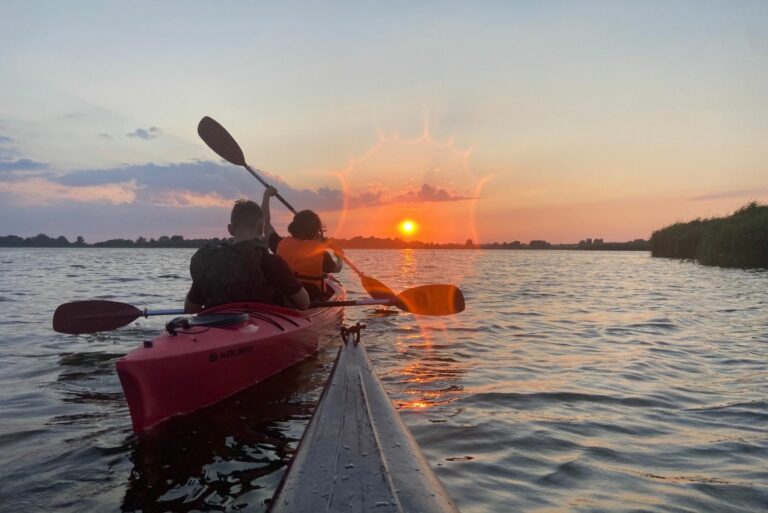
(357,302)
(351,265)
(170,311)
(265,184)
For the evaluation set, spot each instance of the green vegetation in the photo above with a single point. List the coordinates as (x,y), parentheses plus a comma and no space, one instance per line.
(178,241)
(43,241)
(740,240)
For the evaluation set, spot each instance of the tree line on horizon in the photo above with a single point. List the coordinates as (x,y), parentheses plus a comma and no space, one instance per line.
(739,240)
(178,241)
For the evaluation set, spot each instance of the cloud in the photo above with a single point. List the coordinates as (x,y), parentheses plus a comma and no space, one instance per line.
(9,161)
(203,184)
(428,193)
(199,184)
(744,193)
(22,165)
(38,191)
(202,177)
(146,134)
(103,135)
(188,199)
(365,199)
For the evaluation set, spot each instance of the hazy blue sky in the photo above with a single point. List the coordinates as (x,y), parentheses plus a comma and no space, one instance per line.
(555,120)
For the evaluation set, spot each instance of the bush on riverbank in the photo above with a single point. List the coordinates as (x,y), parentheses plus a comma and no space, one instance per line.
(740,240)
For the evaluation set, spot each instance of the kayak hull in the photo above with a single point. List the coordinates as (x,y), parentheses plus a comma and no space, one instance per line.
(357,454)
(200,365)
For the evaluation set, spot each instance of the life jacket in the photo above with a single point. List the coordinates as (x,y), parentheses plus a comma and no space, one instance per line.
(232,272)
(305,257)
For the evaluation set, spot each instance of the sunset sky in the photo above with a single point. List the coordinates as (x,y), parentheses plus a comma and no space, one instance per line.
(496,121)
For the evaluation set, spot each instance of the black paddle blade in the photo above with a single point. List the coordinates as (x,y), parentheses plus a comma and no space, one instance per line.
(92,316)
(218,139)
(432,300)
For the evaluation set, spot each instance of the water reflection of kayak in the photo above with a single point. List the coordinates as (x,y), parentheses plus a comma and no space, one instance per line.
(223,350)
(356,454)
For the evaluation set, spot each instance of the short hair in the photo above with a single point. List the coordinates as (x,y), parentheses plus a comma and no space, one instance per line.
(305,225)
(246,212)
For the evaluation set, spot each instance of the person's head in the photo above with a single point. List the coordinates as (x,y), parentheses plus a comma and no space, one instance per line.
(246,220)
(306,225)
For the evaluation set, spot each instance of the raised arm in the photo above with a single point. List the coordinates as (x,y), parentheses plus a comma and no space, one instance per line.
(268,228)
(339,260)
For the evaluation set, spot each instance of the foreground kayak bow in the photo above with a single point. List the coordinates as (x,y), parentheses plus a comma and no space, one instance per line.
(356,454)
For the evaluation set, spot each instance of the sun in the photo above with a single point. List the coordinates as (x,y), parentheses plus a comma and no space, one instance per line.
(408,227)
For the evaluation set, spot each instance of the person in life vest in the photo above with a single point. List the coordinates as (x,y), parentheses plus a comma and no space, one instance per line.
(304,250)
(243,270)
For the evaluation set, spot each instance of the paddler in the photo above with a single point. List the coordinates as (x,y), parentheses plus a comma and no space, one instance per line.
(244,269)
(304,250)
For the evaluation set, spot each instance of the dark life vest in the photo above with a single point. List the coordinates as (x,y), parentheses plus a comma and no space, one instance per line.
(232,272)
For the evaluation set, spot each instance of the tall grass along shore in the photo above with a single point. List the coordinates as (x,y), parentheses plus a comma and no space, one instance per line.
(739,240)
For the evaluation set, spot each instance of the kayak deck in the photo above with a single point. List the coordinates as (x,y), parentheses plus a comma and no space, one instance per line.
(356,454)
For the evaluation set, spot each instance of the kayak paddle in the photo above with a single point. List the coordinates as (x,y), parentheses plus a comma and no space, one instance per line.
(98,315)
(372,286)
(224,145)
(433,300)
(92,316)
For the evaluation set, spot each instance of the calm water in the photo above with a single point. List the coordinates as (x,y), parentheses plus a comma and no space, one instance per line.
(575,381)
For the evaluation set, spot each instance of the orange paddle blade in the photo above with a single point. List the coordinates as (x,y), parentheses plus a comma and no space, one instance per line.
(432,300)
(375,288)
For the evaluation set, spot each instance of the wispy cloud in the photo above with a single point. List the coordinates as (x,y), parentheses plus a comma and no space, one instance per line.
(38,191)
(146,134)
(5,139)
(742,193)
(200,184)
(21,165)
(103,135)
(428,193)
(188,199)
(14,169)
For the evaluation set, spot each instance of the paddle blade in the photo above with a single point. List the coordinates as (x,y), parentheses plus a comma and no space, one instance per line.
(432,300)
(92,316)
(218,139)
(376,289)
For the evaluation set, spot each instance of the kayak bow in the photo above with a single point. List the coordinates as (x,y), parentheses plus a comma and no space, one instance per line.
(356,454)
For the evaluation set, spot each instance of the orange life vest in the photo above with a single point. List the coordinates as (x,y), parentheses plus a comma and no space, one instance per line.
(305,258)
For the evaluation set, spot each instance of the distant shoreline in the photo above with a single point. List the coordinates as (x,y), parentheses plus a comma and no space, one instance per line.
(178,241)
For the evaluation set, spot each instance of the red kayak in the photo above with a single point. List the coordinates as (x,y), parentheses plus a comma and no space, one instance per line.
(224,349)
